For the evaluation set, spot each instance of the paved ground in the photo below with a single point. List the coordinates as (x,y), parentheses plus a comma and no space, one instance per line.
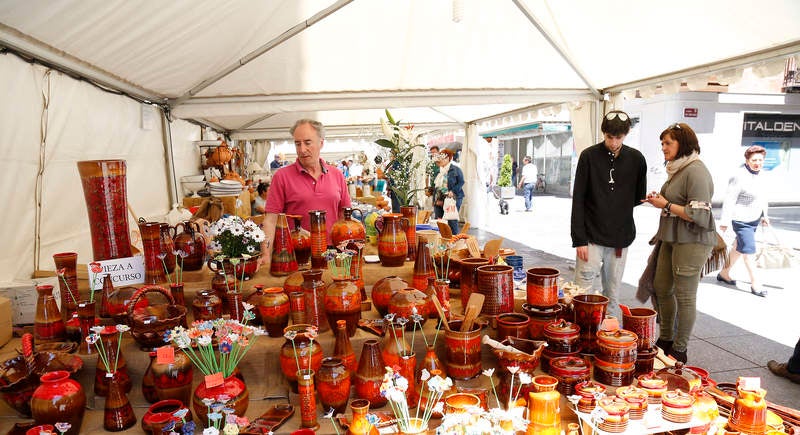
(736,333)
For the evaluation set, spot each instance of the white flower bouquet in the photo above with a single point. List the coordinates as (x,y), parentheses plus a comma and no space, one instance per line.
(235,237)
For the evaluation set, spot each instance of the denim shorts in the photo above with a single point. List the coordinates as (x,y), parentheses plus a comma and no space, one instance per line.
(745,236)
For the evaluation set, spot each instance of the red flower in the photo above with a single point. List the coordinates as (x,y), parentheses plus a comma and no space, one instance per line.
(96,267)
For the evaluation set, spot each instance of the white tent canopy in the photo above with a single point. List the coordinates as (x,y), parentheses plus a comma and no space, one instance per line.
(251,68)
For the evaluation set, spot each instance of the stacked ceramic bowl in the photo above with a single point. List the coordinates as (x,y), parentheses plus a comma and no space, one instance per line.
(615,360)
(642,321)
(589,392)
(617,414)
(563,339)
(225,188)
(676,406)
(654,385)
(637,400)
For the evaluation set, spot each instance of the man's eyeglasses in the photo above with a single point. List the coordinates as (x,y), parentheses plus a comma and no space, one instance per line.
(622,116)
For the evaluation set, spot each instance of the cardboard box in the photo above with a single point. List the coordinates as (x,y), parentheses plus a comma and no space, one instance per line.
(22,295)
(5,320)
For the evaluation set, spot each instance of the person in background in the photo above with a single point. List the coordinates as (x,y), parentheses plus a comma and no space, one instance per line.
(261,198)
(514,168)
(687,233)
(449,182)
(430,173)
(308,184)
(276,163)
(790,369)
(528,180)
(744,208)
(610,180)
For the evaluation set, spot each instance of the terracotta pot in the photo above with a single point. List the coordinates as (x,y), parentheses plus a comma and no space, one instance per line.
(348,228)
(206,305)
(542,287)
(118,413)
(405,301)
(540,318)
(590,310)
(314,290)
(161,413)
(232,387)
(188,237)
(333,384)
(283,260)
(343,302)
(297,307)
(359,424)
(642,321)
(513,325)
(48,324)
(59,399)
(319,238)
(66,264)
(392,241)
(460,403)
(410,213)
(308,355)
(149,382)
(462,351)
(104,190)
(308,400)
(174,380)
(342,348)
(273,307)
(423,266)
(496,283)
(369,375)
(382,292)
(301,242)
(469,277)
(103,378)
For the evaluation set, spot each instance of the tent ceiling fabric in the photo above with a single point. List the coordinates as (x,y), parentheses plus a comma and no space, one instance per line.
(371,54)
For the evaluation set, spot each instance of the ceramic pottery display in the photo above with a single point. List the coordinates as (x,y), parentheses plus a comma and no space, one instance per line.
(333,384)
(319,239)
(59,399)
(283,259)
(382,292)
(469,277)
(410,213)
(392,241)
(117,413)
(496,283)
(348,228)
(343,302)
(542,287)
(48,324)
(369,375)
(462,355)
(301,242)
(314,290)
(104,190)
(189,239)
(232,387)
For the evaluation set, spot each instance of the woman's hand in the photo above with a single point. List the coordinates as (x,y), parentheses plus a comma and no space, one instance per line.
(765,221)
(656,200)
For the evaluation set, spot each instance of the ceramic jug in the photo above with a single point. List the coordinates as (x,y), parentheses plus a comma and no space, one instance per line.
(392,241)
(188,237)
(348,228)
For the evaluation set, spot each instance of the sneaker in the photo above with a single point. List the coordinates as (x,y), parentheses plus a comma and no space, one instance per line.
(780,369)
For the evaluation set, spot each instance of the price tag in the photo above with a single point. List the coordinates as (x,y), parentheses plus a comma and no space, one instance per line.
(214,380)
(109,375)
(165,355)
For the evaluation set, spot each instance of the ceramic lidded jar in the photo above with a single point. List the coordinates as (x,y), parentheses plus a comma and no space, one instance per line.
(562,336)
(589,391)
(273,306)
(404,303)
(618,346)
(569,371)
(382,292)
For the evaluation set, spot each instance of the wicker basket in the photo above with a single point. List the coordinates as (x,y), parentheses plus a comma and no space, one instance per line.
(149,324)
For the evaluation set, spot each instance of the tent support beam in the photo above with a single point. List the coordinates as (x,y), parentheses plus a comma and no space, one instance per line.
(172,183)
(255,121)
(771,53)
(280,39)
(513,112)
(561,51)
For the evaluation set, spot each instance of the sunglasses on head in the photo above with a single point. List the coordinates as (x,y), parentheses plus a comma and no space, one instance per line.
(675,126)
(614,115)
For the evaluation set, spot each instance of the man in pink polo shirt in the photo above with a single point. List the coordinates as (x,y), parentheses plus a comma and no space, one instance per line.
(308,184)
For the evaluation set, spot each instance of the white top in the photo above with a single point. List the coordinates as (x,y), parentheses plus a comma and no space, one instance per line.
(529,172)
(746,197)
(356,170)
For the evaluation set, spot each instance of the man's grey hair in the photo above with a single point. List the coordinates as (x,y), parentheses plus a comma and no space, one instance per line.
(313,123)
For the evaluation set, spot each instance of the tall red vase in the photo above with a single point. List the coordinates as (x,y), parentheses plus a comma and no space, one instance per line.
(102,377)
(333,384)
(314,290)
(410,213)
(308,399)
(369,375)
(392,241)
(283,259)
(66,266)
(319,239)
(301,241)
(105,193)
(343,349)
(48,325)
(151,243)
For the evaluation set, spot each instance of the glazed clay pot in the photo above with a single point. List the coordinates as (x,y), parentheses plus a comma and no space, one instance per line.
(232,387)
(284,261)
(392,241)
(513,325)
(105,193)
(162,412)
(117,412)
(496,283)
(542,286)
(48,325)
(333,384)
(59,399)
(189,239)
(309,356)
(343,349)
(423,266)
(462,351)
(102,381)
(382,292)
(308,399)
(148,381)
(394,344)
(343,302)
(66,264)
(206,305)
(319,238)
(273,306)
(469,277)
(314,290)
(410,213)
(642,321)
(348,228)
(405,301)
(590,310)
(369,375)
(359,424)
(540,318)
(151,243)
(301,242)
(174,380)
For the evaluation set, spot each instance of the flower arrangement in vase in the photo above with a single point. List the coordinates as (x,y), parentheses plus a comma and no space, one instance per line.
(118,413)
(222,418)
(178,253)
(440,257)
(305,381)
(406,170)
(236,244)
(395,387)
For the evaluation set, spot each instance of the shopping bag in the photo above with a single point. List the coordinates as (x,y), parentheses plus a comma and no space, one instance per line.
(450,209)
(771,254)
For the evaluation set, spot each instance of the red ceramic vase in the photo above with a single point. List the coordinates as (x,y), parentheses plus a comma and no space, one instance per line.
(369,375)
(333,384)
(232,387)
(104,190)
(301,241)
(392,241)
(102,377)
(118,413)
(319,238)
(343,349)
(343,302)
(348,228)
(314,289)
(273,306)
(382,292)
(308,355)
(283,260)
(496,283)
(48,325)
(66,266)
(469,277)
(59,399)
(308,400)
(410,213)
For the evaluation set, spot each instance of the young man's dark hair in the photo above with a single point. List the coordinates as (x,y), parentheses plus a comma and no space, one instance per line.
(615,123)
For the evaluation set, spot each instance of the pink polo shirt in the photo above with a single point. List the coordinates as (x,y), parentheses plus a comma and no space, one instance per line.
(294,191)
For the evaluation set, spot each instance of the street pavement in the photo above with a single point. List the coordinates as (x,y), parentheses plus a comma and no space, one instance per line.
(736,332)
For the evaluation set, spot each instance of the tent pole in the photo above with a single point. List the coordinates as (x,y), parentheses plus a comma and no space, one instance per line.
(167,133)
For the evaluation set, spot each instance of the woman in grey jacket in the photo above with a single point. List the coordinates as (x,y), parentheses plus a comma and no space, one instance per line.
(686,231)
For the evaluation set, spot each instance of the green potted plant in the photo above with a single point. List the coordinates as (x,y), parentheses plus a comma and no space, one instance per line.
(507,190)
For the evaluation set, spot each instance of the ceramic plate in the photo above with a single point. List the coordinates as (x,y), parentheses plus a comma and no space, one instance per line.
(372,259)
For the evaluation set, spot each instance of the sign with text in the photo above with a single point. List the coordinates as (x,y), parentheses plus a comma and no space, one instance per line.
(771,125)
(123,271)
(690,112)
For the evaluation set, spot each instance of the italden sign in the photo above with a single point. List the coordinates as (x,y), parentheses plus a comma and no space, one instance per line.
(770,125)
